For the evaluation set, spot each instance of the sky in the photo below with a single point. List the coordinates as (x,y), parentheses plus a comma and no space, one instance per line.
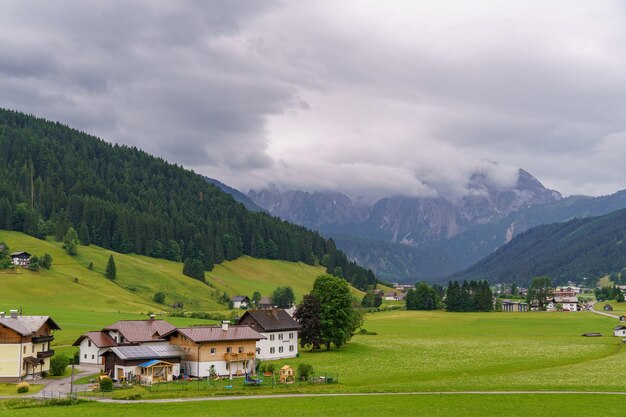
(369,98)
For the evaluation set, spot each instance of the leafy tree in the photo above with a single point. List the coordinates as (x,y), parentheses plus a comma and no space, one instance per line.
(308,315)
(111,269)
(159,297)
(619,298)
(58,363)
(70,242)
(337,312)
(283,297)
(256,297)
(540,290)
(46,261)
(305,371)
(370,299)
(423,297)
(33,263)
(194,268)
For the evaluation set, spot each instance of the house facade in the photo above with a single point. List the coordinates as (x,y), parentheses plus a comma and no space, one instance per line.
(20,258)
(279,329)
(25,345)
(227,350)
(124,332)
(240,301)
(143,363)
(620,331)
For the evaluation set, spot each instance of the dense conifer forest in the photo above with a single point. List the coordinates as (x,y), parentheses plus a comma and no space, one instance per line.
(118,197)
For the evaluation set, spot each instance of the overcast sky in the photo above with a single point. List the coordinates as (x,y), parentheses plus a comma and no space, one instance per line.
(367,97)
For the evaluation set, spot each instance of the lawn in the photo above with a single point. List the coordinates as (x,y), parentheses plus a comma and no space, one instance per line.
(375,405)
(11,389)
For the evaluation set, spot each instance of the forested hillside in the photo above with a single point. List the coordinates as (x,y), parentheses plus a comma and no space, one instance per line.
(53,177)
(590,247)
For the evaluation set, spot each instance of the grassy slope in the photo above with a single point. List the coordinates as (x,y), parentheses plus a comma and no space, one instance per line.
(95,301)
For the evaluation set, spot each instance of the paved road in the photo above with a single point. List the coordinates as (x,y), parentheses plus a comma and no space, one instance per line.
(602,313)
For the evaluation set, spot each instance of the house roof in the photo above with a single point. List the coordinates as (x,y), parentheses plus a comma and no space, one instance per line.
(202,334)
(272,320)
(34,361)
(558,299)
(27,325)
(147,352)
(100,339)
(620,327)
(265,301)
(152,363)
(16,254)
(137,331)
(240,298)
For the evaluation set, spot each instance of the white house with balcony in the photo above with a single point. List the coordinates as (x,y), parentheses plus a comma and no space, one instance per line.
(279,329)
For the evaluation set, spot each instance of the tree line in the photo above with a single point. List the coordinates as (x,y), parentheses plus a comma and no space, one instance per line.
(121,198)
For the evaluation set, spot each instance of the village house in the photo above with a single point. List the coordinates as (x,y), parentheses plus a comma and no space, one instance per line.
(517,306)
(221,351)
(20,258)
(240,301)
(390,296)
(568,303)
(25,345)
(143,363)
(123,332)
(265,302)
(279,329)
(619,331)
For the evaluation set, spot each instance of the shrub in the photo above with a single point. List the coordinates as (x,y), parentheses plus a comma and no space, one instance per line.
(305,370)
(159,297)
(44,374)
(106,384)
(23,387)
(58,363)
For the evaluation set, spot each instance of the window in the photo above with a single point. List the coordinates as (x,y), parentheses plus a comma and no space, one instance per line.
(280,349)
(93,357)
(229,349)
(213,350)
(291,335)
(271,337)
(227,366)
(88,343)
(272,350)
(280,336)
(85,356)
(24,350)
(240,349)
(290,348)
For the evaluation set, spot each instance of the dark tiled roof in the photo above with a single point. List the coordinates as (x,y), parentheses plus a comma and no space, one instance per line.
(216,334)
(272,320)
(27,325)
(240,298)
(16,254)
(100,339)
(137,331)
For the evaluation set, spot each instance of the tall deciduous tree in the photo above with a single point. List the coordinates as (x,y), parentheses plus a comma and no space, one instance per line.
(111,270)
(283,297)
(337,312)
(423,297)
(70,242)
(539,291)
(308,315)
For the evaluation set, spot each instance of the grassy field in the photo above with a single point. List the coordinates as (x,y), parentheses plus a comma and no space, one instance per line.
(11,389)
(377,405)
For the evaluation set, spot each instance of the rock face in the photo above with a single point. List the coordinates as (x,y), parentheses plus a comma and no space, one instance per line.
(409,220)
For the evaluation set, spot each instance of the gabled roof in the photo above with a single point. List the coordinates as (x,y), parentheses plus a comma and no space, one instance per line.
(272,320)
(147,352)
(240,298)
(265,301)
(201,334)
(27,325)
(16,254)
(620,327)
(100,339)
(137,331)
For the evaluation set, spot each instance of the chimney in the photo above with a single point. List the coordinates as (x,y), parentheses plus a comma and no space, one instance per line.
(275,311)
(151,317)
(225,324)
(2,313)
(13,314)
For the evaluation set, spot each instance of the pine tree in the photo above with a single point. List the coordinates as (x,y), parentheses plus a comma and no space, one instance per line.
(111,270)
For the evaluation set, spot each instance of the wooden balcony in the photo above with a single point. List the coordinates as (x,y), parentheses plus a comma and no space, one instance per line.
(234,357)
(43,339)
(45,354)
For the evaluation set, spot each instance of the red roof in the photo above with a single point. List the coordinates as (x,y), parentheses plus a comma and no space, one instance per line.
(100,339)
(137,331)
(216,334)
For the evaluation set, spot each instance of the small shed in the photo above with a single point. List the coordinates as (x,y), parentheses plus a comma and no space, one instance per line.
(287,374)
(619,331)
(156,371)
(608,307)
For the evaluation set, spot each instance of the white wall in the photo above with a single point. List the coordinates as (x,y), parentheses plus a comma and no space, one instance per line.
(266,345)
(220,368)
(90,355)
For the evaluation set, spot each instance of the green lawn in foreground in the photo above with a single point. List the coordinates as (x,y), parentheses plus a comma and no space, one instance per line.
(11,389)
(396,405)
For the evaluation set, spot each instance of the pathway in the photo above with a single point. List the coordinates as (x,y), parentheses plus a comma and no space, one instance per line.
(602,313)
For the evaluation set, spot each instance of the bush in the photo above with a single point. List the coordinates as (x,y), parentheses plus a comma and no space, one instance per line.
(305,370)
(106,384)
(23,387)
(44,374)
(58,363)
(159,297)
(76,358)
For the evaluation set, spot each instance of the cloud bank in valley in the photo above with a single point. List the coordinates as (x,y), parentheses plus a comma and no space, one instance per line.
(360,97)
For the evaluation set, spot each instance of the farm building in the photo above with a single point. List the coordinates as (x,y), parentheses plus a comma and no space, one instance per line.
(20,258)
(25,345)
(144,363)
(279,329)
(619,331)
(240,301)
